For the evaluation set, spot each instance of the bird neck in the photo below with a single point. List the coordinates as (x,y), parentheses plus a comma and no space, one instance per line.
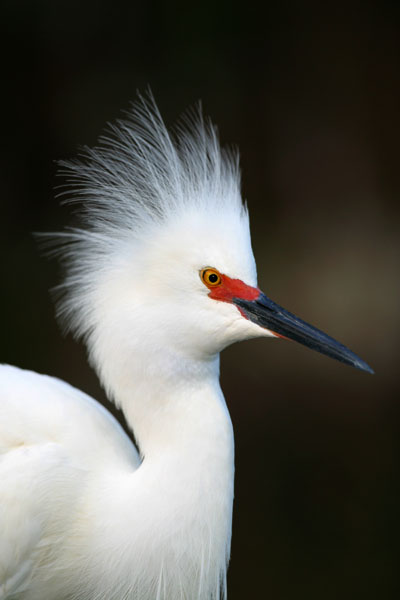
(178,414)
(171,401)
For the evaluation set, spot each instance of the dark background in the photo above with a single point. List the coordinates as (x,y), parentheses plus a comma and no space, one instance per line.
(310,93)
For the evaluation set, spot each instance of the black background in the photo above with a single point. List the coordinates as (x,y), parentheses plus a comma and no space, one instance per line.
(310,93)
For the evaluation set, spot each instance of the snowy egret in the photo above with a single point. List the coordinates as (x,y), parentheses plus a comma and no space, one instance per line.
(160,277)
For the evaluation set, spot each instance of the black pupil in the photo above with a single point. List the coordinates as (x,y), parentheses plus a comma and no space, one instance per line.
(213,278)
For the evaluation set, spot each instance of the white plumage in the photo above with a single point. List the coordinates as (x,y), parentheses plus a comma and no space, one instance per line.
(160,277)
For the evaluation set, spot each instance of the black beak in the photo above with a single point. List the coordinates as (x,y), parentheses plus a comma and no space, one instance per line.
(269,315)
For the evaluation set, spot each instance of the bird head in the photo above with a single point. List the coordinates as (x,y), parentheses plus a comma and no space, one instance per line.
(163,259)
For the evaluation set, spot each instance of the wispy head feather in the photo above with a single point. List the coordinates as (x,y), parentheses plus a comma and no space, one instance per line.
(138,177)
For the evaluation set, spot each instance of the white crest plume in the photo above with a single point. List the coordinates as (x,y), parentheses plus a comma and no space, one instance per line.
(140,176)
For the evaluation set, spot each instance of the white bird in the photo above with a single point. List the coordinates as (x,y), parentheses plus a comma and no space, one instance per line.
(160,278)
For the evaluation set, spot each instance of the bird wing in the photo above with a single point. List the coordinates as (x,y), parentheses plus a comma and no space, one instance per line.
(52,438)
(38,485)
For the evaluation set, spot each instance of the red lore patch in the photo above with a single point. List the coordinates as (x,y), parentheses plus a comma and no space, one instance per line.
(233,288)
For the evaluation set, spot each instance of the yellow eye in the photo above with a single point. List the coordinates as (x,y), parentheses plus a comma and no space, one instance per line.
(211,277)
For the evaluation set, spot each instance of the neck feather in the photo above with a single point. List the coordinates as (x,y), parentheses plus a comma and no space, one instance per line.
(184,488)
